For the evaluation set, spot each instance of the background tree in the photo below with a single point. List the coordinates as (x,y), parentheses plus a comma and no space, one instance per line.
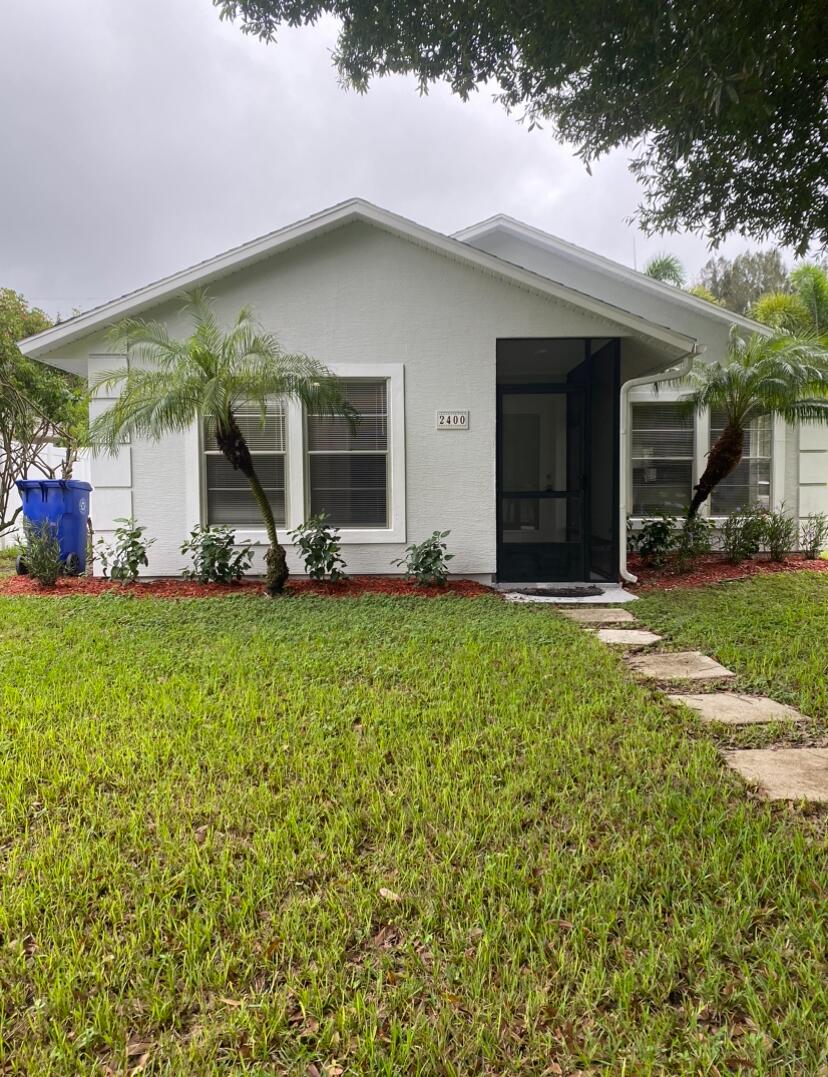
(738,282)
(700,292)
(173,383)
(726,104)
(667,268)
(802,309)
(776,376)
(39,407)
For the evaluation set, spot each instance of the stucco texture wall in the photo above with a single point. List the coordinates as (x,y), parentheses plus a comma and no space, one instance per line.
(360,295)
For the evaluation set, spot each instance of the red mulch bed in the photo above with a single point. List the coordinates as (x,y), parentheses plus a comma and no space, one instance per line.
(712,569)
(170,587)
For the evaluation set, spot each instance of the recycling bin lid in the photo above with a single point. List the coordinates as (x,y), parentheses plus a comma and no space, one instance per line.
(53,484)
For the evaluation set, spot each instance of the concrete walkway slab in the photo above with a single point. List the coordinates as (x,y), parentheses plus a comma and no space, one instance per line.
(628,637)
(599,616)
(785,773)
(679,666)
(731,708)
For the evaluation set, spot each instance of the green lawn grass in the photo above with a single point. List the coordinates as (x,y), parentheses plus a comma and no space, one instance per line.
(771,630)
(381,836)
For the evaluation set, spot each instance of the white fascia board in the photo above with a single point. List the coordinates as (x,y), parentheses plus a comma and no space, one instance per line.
(344,213)
(538,238)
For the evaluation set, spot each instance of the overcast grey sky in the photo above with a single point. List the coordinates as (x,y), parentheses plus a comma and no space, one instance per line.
(140,136)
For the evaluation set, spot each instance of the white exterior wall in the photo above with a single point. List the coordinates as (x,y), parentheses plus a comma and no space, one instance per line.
(813,469)
(358,298)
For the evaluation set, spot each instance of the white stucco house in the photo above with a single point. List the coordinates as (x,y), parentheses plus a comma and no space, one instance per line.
(505,379)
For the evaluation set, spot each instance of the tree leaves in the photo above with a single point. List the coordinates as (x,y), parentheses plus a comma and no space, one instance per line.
(726,105)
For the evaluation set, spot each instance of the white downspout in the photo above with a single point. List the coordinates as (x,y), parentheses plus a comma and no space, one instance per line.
(673,374)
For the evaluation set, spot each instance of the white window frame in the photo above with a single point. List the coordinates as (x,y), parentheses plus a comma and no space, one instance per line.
(394,374)
(664,396)
(702,435)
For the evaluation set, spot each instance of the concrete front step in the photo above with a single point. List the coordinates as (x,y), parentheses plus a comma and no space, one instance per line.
(678,666)
(627,637)
(784,773)
(731,708)
(599,616)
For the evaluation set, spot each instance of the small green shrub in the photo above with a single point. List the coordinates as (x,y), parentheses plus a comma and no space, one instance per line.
(42,552)
(779,534)
(813,536)
(319,545)
(122,559)
(426,561)
(215,555)
(656,539)
(742,535)
(693,541)
(10,553)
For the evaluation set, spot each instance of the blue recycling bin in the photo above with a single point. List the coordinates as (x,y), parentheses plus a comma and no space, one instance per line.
(65,504)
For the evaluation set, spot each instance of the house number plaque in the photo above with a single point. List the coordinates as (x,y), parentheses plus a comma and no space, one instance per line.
(452,420)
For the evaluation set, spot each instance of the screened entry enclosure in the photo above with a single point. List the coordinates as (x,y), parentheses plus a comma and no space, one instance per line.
(557,460)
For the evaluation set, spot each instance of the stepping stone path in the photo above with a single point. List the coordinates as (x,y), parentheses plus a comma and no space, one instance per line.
(679,666)
(784,773)
(599,616)
(731,708)
(627,637)
(781,774)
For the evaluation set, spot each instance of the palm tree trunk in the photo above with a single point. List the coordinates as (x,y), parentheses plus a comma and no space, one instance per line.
(721,460)
(232,443)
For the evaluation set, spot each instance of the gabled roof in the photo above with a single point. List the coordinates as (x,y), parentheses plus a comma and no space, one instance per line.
(344,213)
(503,223)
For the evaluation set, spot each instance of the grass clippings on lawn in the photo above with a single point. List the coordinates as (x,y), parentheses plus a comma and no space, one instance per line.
(381,837)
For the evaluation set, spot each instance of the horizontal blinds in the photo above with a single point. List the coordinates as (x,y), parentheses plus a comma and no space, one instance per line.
(230,501)
(348,463)
(351,489)
(662,430)
(749,484)
(662,458)
(327,433)
(758,436)
(262,434)
(229,498)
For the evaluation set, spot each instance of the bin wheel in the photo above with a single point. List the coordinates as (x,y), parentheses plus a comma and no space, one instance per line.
(72,565)
(20,566)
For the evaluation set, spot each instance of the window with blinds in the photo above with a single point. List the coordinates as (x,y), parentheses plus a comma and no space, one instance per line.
(228,496)
(348,467)
(749,484)
(662,458)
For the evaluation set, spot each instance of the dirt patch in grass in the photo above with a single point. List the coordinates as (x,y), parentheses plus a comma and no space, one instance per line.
(713,569)
(352,587)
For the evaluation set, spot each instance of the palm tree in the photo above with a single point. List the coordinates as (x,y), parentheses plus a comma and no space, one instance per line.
(804,309)
(667,268)
(211,373)
(783,376)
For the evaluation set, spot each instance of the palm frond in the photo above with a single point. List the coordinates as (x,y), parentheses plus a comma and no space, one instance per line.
(168,383)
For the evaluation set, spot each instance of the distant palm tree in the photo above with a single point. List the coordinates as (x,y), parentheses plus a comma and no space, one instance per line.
(804,309)
(781,376)
(210,373)
(667,268)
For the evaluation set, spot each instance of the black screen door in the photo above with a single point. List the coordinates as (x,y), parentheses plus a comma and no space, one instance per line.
(541,482)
